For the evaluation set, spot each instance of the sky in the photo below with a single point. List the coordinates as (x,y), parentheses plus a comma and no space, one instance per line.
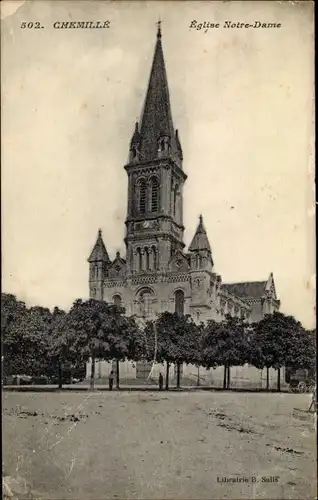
(242,100)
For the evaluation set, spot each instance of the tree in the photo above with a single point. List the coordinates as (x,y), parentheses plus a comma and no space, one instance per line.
(225,343)
(36,340)
(261,354)
(124,337)
(62,349)
(176,339)
(13,313)
(149,345)
(213,334)
(101,331)
(301,349)
(279,340)
(24,337)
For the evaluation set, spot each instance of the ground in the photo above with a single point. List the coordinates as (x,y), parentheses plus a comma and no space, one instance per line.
(152,445)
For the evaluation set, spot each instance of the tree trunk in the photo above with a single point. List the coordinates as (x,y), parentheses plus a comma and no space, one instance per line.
(92,373)
(267,378)
(224,377)
(178,375)
(278,379)
(228,377)
(167,376)
(198,379)
(60,373)
(117,374)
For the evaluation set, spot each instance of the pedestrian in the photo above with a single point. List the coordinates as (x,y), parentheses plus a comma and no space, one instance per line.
(111,380)
(313,400)
(160,382)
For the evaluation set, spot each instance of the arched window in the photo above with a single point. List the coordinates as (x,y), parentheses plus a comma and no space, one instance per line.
(175,196)
(142,196)
(117,300)
(197,262)
(139,259)
(147,261)
(154,194)
(179,302)
(145,297)
(154,257)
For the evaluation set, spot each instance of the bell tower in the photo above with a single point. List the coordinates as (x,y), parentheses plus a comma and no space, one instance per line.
(154,222)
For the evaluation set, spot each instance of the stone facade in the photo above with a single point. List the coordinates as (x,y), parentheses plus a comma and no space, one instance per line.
(157,273)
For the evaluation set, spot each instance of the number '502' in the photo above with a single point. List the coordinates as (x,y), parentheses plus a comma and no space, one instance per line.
(30,25)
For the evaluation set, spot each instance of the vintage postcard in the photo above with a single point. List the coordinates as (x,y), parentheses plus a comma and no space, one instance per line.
(158,259)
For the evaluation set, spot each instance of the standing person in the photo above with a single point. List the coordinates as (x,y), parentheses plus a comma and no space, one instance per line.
(160,382)
(111,380)
(313,400)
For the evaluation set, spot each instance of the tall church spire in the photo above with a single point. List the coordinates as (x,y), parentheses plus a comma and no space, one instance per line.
(156,129)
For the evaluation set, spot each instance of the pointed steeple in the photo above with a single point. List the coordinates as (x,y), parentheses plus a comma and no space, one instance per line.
(179,145)
(99,252)
(136,136)
(156,119)
(270,286)
(200,239)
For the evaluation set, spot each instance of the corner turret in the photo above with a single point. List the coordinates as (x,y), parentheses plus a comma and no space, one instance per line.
(98,265)
(200,249)
(135,145)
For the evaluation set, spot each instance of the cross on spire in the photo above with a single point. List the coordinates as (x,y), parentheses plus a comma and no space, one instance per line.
(159,28)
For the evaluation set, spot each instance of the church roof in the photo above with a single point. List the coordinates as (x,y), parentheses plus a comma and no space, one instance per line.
(249,289)
(252,289)
(99,252)
(156,116)
(200,239)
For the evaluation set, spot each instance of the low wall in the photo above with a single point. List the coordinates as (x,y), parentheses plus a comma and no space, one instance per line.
(130,370)
(241,377)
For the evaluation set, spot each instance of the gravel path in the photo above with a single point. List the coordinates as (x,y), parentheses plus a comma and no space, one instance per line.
(160,446)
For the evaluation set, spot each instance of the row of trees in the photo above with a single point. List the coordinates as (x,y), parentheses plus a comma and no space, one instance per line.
(37,341)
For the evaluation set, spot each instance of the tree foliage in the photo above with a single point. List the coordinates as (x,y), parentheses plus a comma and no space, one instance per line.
(25,334)
(279,340)
(101,331)
(173,338)
(225,343)
(37,341)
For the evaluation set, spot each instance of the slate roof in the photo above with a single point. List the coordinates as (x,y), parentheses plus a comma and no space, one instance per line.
(200,239)
(156,116)
(249,289)
(99,252)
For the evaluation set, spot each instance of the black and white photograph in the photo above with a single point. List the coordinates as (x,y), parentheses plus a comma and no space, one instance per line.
(158,322)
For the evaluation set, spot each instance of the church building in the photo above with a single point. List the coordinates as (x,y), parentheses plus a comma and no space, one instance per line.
(158,273)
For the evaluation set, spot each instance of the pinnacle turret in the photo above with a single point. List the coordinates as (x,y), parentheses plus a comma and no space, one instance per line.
(136,136)
(200,239)
(99,252)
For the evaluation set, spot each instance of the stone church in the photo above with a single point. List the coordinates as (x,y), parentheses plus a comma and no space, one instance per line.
(158,273)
